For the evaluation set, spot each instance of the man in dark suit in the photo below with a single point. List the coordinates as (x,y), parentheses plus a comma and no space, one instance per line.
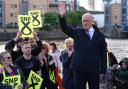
(89,58)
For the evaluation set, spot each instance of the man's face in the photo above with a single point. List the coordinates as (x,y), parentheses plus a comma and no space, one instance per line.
(26,49)
(86,22)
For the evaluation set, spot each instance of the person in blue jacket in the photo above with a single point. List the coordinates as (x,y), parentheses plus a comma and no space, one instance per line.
(89,61)
(66,57)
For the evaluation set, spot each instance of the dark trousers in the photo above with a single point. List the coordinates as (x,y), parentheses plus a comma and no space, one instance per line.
(81,79)
(48,84)
(6,87)
(70,84)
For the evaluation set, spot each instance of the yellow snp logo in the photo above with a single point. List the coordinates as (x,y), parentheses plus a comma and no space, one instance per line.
(36,18)
(25,25)
(52,76)
(12,80)
(34,81)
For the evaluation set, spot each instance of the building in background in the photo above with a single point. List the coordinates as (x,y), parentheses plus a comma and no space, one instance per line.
(53,5)
(107,16)
(124,16)
(1,14)
(113,14)
(42,5)
(10,9)
(72,5)
(76,4)
(23,7)
(13,8)
(91,4)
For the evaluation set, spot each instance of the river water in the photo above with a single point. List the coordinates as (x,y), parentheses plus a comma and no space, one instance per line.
(118,46)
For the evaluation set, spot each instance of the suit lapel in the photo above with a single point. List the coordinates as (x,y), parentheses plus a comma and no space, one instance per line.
(85,34)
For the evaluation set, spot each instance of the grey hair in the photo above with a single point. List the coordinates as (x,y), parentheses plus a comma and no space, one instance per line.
(2,56)
(88,14)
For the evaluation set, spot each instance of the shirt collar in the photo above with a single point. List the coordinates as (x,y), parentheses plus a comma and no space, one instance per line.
(91,30)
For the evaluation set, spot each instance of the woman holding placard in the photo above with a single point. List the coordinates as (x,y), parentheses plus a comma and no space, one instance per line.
(47,68)
(11,76)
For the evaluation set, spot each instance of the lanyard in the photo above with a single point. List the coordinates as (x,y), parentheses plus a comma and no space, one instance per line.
(12,80)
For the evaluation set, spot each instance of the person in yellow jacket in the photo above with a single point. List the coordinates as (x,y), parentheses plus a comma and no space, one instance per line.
(11,77)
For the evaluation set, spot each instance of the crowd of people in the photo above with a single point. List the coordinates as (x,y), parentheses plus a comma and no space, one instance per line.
(85,59)
(43,57)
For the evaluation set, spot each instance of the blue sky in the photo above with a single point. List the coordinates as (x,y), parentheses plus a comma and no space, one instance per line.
(98,4)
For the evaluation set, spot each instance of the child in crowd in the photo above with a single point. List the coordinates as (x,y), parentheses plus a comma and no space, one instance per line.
(122,75)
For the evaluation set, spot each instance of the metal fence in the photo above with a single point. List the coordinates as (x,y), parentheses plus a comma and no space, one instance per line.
(44,35)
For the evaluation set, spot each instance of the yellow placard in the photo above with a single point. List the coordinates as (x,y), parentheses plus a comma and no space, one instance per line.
(12,80)
(25,25)
(1,69)
(34,81)
(52,76)
(107,59)
(0,65)
(36,18)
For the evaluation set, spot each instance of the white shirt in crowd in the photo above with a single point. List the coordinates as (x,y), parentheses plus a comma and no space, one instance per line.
(56,57)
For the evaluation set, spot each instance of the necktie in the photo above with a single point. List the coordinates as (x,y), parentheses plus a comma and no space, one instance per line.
(88,35)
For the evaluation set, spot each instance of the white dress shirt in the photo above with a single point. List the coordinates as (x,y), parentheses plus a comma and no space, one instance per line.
(90,32)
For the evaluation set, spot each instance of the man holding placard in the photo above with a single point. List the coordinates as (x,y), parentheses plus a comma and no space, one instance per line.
(18,41)
(27,62)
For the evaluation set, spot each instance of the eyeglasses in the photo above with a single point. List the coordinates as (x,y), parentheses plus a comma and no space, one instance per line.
(8,57)
(86,20)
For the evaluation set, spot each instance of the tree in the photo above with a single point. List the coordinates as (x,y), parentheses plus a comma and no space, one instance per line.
(74,18)
(51,18)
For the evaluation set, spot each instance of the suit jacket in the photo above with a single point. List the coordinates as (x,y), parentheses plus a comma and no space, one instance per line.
(89,55)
